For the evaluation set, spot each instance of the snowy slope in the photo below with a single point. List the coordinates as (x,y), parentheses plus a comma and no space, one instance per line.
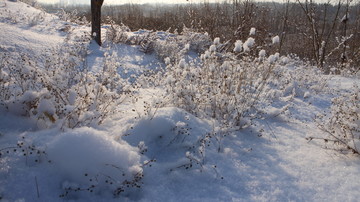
(28,30)
(22,40)
(269,161)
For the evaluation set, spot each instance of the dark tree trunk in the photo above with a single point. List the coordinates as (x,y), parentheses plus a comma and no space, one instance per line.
(96,20)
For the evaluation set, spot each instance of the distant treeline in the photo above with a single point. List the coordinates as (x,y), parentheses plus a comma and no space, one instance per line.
(327,34)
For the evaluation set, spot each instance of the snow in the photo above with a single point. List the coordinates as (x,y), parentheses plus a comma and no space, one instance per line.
(22,32)
(273,58)
(345,18)
(45,106)
(72,97)
(238,46)
(248,44)
(262,53)
(187,47)
(212,48)
(269,161)
(343,83)
(252,31)
(22,40)
(275,39)
(133,61)
(182,63)
(284,60)
(83,150)
(217,41)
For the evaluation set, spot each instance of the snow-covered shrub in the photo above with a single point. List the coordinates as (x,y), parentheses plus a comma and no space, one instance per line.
(296,78)
(168,48)
(58,88)
(248,44)
(342,126)
(73,17)
(121,34)
(346,70)
(223,86)
(228,86)
(117,33)
(199,42)
(275,39)
(163,43)
(146,41)
(238,46)
(175,46)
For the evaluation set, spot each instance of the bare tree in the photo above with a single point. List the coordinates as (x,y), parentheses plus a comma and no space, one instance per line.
(344,21)
(284,28)
(96,20)
(320,33)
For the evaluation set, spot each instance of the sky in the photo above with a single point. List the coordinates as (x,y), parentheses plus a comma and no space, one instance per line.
(123,1)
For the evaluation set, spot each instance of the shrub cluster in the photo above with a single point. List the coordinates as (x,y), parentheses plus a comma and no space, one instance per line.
(342,126)
(73,17)
(163,43)
(58,87)
(225,86)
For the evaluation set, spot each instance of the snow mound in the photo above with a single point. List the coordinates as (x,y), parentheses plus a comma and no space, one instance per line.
(87,151)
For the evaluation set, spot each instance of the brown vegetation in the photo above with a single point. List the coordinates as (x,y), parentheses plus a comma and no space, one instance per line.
(326,34)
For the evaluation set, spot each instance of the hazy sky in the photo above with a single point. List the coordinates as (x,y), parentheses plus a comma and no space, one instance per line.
(123,1)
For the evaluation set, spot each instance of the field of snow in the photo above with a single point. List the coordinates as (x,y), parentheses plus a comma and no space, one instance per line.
(148,149)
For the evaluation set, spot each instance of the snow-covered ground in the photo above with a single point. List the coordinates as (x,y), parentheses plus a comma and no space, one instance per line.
(26,29)
(269,161)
